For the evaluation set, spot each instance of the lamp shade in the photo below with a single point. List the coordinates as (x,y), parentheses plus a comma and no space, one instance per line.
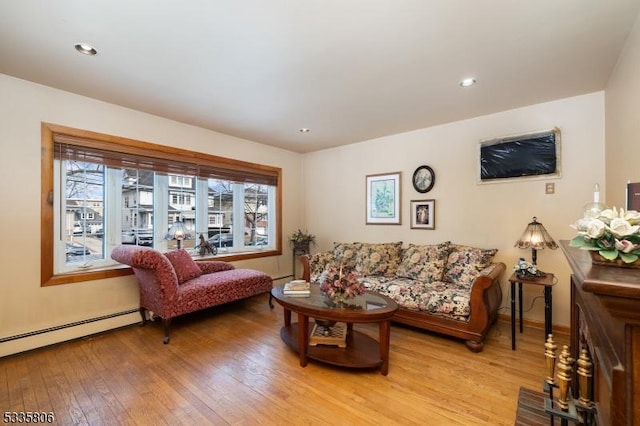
(178,232)
(535,237)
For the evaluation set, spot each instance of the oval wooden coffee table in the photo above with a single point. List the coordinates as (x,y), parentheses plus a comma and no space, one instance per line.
(361,351)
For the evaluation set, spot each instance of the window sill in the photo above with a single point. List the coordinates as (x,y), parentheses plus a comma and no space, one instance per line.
(122,270)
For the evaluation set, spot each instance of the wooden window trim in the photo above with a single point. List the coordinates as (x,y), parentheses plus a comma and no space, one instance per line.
(126,145)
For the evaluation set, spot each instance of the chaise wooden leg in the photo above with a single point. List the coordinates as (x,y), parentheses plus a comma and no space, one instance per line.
(270,300)
(166,323)
(143,314)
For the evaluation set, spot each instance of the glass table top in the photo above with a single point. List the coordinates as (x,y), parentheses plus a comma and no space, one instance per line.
(317,299)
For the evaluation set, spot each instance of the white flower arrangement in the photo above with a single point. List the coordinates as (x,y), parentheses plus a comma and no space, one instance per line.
(613,233)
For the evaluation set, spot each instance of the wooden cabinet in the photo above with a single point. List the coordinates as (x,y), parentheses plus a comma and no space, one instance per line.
(605,318)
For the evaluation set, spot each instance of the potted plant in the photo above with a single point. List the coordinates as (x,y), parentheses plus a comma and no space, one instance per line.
(302,240)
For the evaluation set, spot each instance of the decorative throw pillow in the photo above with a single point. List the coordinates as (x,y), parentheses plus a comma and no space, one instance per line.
(186,268)
(465,263)
(424,263)
(378,259)
(346,254)
(318,264)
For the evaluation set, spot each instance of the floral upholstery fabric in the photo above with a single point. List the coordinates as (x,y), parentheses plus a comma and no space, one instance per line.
(437,297)
(184,265)
(465,263)
(161,293)
(346,254)
(378,259)
(424,262)
(434,279)
(318,264)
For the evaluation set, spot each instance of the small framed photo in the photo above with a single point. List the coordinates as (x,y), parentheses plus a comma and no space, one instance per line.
(423,179)
(423,214)
(383,199)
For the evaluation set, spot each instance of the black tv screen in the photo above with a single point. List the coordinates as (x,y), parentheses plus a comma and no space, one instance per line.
(535,154)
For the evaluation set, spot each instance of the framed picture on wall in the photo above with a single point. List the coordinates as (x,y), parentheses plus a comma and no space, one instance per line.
(423,214)
(383,199)
(423,179)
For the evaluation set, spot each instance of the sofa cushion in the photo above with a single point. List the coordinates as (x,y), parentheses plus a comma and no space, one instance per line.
(465,263)
(378,259)
(438,298)
(318,264)
(347,254)
(376,283)
(186,268)
(449,301)
(220,287)
(424,262)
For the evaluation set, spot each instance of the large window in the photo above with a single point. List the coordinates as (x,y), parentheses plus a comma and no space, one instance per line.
(100,191)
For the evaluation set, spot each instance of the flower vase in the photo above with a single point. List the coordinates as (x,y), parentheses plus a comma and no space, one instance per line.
(340,301)
(596,259)
(337,301)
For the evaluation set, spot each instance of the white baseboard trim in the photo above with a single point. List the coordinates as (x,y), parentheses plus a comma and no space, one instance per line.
(61,333)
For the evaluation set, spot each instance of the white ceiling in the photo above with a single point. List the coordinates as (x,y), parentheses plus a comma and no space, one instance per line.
(349,70)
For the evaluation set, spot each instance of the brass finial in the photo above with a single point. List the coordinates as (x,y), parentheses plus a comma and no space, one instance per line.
(550,358)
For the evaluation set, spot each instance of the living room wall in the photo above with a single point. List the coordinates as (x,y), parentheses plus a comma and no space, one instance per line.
(483,215)
(25,307)
(622,106)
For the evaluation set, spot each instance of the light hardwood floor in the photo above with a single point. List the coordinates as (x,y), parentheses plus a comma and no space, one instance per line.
(227,365)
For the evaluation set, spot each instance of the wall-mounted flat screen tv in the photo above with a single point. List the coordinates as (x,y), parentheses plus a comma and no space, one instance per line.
(529,155)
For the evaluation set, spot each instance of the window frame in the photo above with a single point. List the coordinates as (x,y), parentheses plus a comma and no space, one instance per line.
(135,147)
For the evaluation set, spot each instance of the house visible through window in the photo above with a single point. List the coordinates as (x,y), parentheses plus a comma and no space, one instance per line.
(108,193)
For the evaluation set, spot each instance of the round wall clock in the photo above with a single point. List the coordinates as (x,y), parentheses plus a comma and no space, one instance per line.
(423,179)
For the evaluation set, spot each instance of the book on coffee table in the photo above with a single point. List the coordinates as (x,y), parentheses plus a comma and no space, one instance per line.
(298,293)
(297,288)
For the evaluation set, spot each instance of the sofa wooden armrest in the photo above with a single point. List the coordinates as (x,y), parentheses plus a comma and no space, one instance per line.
(306,268)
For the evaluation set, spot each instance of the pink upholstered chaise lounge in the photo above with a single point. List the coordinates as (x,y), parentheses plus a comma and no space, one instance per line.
(173,284)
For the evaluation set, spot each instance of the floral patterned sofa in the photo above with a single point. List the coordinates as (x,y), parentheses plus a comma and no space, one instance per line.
(445,288)
(173,284)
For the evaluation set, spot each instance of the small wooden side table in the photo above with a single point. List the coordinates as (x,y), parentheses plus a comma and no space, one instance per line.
(547,281)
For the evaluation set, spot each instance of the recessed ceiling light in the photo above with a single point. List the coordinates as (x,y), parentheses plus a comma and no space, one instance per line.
(466,82)
(304,130)
(86,49)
